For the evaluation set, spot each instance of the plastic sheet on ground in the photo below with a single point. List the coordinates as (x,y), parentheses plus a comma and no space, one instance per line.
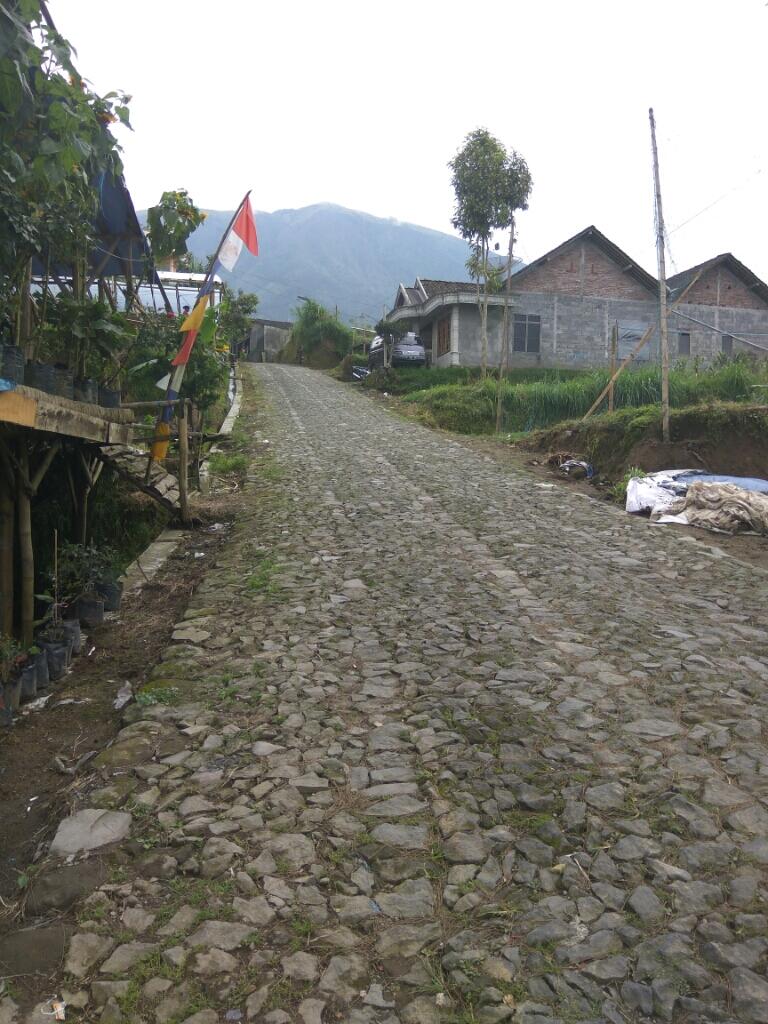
(724,508)
(657,492)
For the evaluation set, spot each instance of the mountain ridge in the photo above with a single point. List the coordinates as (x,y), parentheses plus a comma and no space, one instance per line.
(346,259)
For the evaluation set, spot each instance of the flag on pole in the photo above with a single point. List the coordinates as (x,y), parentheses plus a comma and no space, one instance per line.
(195,318)
(242,233)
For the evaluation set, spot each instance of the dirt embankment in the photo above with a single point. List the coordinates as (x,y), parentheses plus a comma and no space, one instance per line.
(722,438)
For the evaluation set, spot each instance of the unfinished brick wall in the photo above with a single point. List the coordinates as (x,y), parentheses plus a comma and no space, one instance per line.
(720,287)
(582,269)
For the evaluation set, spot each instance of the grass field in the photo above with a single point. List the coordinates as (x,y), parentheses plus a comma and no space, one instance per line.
(455,399)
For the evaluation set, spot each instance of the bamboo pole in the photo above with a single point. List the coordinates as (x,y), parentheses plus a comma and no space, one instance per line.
(183,463)
(630,359)
(614,351)
(26,551)
(663,334)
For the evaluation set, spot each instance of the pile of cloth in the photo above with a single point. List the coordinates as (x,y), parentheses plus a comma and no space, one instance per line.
(725,504)
(724,508)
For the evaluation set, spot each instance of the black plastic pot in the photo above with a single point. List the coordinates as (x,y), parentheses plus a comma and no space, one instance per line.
(90,609)
(56,652)
(41,668)
(108,397)
(28,680)
(71,630)
(40,376)
(12,363)
(63,382)
(12,694)
(112,594)
(87,390)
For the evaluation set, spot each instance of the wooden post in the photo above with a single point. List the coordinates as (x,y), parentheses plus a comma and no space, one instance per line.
(183,463)
(26,551)
(630,359)
(662,287)
(6,557)
(614,350)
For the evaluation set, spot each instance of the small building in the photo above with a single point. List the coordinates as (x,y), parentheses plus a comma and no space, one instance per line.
(267,339)
(567,303)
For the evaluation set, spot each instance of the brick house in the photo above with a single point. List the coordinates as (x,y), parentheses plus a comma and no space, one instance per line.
(566,303)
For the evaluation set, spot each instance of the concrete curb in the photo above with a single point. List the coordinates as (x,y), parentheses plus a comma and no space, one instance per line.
(225,430)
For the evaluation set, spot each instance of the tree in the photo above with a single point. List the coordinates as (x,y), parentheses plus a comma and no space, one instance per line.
(480,184)
(314,325)
(54,147)
(236,315)
(171,222)
(518,184)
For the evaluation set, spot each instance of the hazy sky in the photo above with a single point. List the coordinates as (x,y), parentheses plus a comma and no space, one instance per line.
(363,104)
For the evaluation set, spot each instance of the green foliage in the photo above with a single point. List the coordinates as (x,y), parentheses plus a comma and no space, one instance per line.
(236,315)
(404,380)
(489,185)
(222,464)
(160,695)
(85,335)
(54,145)
(157,343)
(171,222)
(315,326)
(81,567)
(467,408)
(619,490)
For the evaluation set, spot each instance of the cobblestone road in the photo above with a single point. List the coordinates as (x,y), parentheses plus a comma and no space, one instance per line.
(464,748)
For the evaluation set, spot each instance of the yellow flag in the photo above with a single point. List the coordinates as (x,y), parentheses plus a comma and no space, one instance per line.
(195,318)
(161,442)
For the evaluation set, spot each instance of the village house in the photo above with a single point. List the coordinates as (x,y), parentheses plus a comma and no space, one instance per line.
(566,304)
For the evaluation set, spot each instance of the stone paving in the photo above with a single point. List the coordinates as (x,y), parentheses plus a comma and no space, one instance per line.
(452,746)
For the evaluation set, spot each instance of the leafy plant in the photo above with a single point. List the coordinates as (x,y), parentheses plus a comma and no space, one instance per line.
(171,222)
(81,567)
(619,490)
(314,325)
(55,148)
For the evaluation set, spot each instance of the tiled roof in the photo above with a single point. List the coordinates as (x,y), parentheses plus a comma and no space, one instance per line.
(679,282)
(433,288)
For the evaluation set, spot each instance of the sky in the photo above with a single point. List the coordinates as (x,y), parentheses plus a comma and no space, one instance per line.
(364,103)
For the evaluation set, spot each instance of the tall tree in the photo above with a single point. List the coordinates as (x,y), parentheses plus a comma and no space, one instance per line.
(480,184)
(517,190)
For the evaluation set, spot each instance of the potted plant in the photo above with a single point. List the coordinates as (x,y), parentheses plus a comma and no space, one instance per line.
(12,363)
(40,660)
(79,569)
(9,674)
(107,582)
(28,677)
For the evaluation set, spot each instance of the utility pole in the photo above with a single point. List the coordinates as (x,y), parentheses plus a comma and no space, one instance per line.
(662,287)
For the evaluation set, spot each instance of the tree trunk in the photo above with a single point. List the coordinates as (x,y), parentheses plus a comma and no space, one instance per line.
(504,355)
(26,551)
(6,559)
(484,313)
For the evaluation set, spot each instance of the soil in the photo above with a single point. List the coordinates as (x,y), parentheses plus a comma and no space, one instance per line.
(79,717)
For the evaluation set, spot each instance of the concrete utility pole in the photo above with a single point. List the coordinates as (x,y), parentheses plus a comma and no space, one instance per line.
(662,287)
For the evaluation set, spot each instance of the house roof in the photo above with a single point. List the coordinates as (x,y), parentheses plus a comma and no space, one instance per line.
(607,246)
(679,282)
(433,288)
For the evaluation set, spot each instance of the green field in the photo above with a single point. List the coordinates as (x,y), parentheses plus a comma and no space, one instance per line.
(456,399)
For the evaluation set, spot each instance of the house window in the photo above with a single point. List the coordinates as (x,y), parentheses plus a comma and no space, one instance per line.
(726,344)
(527,336)
(683,343)
(443,336)
(630,333)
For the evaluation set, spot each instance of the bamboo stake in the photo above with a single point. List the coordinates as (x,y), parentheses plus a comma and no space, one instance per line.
(614,350)
(183,463)
(630,359)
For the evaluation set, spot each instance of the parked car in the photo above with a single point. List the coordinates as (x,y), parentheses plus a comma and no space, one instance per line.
(406,351)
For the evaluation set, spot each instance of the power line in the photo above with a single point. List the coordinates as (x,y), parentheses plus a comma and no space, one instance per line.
(736,188)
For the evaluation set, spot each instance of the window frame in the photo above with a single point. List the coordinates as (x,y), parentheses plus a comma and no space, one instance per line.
(686,349)
(527,340)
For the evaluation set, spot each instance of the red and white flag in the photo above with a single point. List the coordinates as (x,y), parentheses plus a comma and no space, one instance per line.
(242,233)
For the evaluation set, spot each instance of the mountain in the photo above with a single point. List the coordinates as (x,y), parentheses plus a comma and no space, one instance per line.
(340,257)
